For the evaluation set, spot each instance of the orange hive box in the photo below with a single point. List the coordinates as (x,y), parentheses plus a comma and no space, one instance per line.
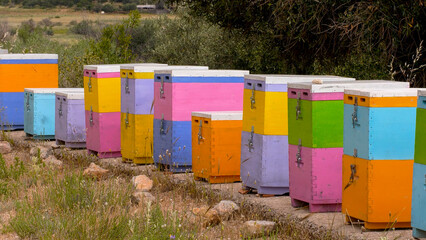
(216,146)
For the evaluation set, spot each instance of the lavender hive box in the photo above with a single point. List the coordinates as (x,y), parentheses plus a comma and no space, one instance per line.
(264,163)
(70,126)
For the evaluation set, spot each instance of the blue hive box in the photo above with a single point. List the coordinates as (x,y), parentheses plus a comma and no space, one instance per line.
(377,132)
(39,112)
(418,211)
(11,110)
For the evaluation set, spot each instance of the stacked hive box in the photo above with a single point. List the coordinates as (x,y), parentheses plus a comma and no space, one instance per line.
(177,93)
(418,213)
(102,92)
(4,51)
(70,126)
(216,146)
(264,147)
(39,114)
(379,129)
(137,116)
(316,141)
(19,71)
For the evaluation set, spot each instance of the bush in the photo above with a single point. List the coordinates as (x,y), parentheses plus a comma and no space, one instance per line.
(108,8)
(129,7)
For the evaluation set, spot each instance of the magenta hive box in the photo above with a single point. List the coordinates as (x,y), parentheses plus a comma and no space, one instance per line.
(316,141)
(178,93)
(70,126)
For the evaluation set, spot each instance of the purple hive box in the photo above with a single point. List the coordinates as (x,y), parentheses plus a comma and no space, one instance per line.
(70,126)
(264,163)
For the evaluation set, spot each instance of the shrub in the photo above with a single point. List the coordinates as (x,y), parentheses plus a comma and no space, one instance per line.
(108,8)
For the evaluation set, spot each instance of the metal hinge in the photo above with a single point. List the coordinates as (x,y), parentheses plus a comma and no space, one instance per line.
(355,114)
(126,120)
(252,98)
(299,154)
(298,111)
(162,124)
(250,141)
(91,116)
(28,102)
(127,83)
(200,134)
(162,87)
(60,108)
(89,84)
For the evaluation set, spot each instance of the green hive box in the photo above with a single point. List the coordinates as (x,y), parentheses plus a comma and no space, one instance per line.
(420,149)
(320,123)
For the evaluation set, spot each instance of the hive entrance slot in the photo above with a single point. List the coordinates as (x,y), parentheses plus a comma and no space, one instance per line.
(206,122)
(305,93)
(350,98)
(259,85)
(249,84)
(362,99)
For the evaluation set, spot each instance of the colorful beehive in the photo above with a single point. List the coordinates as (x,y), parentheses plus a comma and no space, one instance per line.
(177,93)
(316,141)
(379,133)
(39,114)
(216,146)
(102,100)
(418,212)
(137,116)
(264,148)
(28,71)
(70,126)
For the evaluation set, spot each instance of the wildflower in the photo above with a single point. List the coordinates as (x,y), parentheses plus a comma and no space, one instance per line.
(172,236)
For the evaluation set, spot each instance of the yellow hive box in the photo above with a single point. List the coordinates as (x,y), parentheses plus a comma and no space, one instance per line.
(377,192)
(266,101)
(216,146)
(137,138)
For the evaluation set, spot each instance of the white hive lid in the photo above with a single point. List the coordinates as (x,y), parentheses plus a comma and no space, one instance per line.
(104,68)
(340,86)
(19,56)
(283,79)
(204,73)
(77,93)
(48,90)
(380,92)
(422,92)
(138,68)
(220,115)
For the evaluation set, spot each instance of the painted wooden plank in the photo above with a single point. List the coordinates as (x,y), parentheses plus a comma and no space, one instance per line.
(418,211)
(11,110)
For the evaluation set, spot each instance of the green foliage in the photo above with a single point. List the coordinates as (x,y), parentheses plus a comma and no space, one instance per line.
(9,176)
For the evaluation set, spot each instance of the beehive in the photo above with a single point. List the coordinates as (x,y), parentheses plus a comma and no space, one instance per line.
(316,141)
(216,146)
(102,98)
(4,51)
(418,211)
(70,126)
(137,96)
(377,181)
(28,71)
(265,116)
(177,93)
(39,112)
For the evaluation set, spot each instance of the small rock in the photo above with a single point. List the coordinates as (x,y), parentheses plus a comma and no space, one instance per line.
(200,211)
(142,197)
(212,218)
(53,161)
(142,183)
(226,209)
(254,229)
(44,151)
(95,171)
(5,147)
(317,81)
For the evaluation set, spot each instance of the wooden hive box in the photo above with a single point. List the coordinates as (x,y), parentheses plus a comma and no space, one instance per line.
(28,71)
(377,165)
(70,126)
(316,141)
(102,100)
(137,116)
(418,211)
(177,93)
(265,101)
(4,51)
(39,114)
(216,146)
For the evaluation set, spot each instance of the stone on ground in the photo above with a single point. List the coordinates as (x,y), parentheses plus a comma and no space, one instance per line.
(5,147)
(95,171)
(226,209)
(53,161)
(44,151)
(254,229)
(142,197)
(142,183)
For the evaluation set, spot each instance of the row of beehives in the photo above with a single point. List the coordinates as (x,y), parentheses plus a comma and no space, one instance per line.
(294,133)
